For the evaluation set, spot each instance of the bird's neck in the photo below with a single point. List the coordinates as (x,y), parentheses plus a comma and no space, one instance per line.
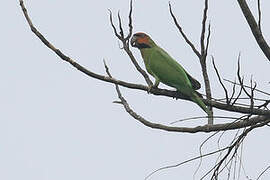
(146,53)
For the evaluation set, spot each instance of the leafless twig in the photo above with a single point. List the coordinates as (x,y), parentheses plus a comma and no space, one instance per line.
(262,173)
(220,81)
(184,162)
(260,91)
(125,41)
(260,14)
(203,60)
(201,55)
(182,33)
(157,91)
(255,28)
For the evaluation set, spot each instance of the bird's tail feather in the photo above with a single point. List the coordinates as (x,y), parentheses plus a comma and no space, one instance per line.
(198,101)
(199,94)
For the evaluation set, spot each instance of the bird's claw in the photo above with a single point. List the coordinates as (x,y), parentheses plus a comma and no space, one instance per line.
(149,89)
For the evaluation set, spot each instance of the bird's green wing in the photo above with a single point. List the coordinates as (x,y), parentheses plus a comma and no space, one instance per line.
(195,84)
(161,59)
(169,71)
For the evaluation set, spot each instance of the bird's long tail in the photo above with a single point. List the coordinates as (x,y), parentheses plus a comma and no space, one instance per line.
(195,98)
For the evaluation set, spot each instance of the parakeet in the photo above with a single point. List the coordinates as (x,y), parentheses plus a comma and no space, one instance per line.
(165,69)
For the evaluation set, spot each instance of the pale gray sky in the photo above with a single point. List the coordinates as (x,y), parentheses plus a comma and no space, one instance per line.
(57,123)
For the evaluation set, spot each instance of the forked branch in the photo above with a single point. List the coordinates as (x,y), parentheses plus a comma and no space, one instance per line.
(264,114)
(202,54)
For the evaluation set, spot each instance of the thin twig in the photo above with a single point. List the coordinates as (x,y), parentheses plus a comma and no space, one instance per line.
(130,21)
(264,104)
(200,151)
(203,117)
(239,93)
(113,26)
(241,80)
(252,88)
(204,27)
(182,33)
(266,169)
(208,39)
(203,60)
(120,25)
(254,28)
(260,15)
(230,148)
(125,42)
(233,92)
(260,91)
(184,162)
(220,81)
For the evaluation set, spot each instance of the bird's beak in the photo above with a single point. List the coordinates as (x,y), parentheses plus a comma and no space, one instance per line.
(133,41)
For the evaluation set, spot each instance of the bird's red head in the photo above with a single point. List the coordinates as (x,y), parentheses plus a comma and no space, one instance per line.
(141,40)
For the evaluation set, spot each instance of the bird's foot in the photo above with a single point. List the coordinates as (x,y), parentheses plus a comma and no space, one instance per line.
(149,89)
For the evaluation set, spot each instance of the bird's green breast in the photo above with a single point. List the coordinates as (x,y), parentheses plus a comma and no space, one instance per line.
(162,66)
(146,55)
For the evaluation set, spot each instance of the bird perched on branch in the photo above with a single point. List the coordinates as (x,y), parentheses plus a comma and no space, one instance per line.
(165,69)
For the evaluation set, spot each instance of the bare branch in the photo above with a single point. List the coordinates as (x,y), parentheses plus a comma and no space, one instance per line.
(266,169)
(155,91)
(203,117)
(130,22)
(125,42)
(208,39)
(264,104)
(260,91)
(182,33)
(252,88)
(239,94)
(201,55)
(260,15)
(120,25)
(184,162)
(204,26)
(206,128)
(255,28)
(134,61)
(233,92)
(207,89)
(203,59)
(234,146)
(114,28)
(241,80)
(220,81)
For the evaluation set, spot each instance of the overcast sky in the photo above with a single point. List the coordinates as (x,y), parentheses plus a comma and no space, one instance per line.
(57,123)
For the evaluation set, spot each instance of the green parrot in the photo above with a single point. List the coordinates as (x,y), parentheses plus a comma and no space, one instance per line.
(165,69)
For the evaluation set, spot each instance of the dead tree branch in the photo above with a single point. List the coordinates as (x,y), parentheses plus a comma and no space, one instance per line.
(201,55)
(183,34)
(259,14)
(234,83)
(255,28)
(220,82)
(203,60)
(125,41)
(234,147)
(264,114)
